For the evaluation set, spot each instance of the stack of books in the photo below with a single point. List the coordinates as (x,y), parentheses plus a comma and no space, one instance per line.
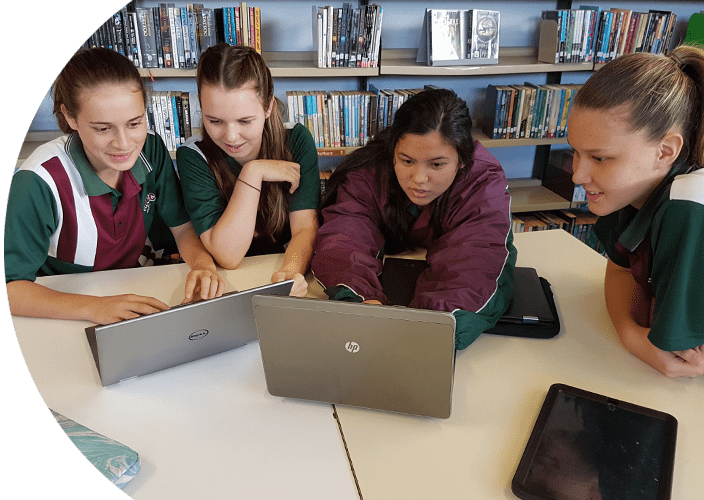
(166,36)
(347,37)
(579,223)
(339,119)
(528,111)
(459,37)
(589,34)
(174,115)
(623,31)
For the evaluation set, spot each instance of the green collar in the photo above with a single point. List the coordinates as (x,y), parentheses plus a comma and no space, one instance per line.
(636,230)
(93,184)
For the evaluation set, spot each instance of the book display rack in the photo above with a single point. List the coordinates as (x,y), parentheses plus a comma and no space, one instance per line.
(389,70)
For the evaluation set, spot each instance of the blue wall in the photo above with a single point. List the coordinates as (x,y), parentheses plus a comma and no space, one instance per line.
(287,26)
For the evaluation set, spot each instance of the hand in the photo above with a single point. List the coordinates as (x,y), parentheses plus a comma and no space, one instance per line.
(371,301)
(203,284)
(300,285)
(691,361)
(111,309)
(276,171)
(687,363)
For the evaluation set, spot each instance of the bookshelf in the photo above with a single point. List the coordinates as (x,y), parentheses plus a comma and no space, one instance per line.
(292,59)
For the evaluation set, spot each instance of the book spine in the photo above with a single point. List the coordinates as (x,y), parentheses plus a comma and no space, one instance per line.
(165,36)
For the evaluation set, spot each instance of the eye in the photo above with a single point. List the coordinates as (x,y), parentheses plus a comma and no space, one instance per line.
(438,166)
(135,124)
(213,121)
(598,159)
(101,129)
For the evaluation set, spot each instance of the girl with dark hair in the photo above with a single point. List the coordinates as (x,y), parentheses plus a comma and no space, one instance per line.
(422,182)
(637,129)
(250,184)
(86,201)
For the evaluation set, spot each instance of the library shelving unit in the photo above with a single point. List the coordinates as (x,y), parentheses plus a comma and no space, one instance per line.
(528,194)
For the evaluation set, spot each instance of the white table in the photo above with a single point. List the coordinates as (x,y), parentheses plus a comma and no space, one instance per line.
(207,429)
(500,384)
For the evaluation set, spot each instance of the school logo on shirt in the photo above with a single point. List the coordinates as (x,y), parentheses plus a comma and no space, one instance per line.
(352,347)
(151,197)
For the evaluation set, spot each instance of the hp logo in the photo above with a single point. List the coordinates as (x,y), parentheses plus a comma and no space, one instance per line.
(352,347)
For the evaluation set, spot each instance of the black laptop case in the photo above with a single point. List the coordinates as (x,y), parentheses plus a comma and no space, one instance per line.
(532,312)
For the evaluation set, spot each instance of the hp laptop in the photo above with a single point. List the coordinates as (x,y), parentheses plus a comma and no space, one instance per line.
(382,357)
(184,333)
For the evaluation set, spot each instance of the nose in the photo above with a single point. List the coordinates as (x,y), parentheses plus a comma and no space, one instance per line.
(580,171)
(419,175)
(232,133)
(120,139)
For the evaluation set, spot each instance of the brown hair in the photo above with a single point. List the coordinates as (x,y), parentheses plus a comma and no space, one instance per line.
(90,68)
(230,67)
(660,91)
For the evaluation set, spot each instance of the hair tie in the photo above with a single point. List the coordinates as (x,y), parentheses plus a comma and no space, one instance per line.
(677,60)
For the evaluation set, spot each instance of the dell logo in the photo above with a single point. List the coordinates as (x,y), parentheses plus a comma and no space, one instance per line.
(352,347)
(198,335)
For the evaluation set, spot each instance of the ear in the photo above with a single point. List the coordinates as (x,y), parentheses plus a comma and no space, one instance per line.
(271,107)
(69,119)
(670,147)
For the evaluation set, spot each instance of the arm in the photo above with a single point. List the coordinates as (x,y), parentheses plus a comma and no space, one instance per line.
(304,226)
(349,241)
(229,239)
(32,299)
(627,306)
(203,276)
(471,265)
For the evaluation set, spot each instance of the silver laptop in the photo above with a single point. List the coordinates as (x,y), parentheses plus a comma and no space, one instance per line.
(382,357)
(184,333)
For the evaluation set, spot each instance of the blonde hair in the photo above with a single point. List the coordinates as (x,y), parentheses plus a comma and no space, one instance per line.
(662,92)
(231,67)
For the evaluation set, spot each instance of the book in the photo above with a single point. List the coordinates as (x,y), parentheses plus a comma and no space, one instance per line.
(167,36)
(528,110)
(347,36)
(459,37)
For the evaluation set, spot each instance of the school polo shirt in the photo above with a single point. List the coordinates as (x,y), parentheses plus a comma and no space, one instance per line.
(662,245)
(62,218)
(205,203)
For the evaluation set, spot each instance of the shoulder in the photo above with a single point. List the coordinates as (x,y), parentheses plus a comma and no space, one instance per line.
(45,152)
(190,148)
(299,137)
(688,187)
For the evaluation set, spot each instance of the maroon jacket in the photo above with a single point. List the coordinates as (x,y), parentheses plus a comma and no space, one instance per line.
(471,265)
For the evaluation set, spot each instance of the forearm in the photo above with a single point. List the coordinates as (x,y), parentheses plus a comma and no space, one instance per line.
(230,238)
(192,249)
(27,298)
(299,251)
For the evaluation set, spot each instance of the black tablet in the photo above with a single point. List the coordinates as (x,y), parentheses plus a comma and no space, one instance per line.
(590,447)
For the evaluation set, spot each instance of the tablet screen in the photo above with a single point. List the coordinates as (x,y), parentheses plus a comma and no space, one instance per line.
(590,447)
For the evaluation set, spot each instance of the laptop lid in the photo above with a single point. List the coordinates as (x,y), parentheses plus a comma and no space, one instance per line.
(183,333)
(382,357)
(529,304)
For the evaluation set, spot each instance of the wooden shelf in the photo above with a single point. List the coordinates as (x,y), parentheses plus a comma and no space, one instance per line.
(478,134)
(281,64)
(512,60)
(528,195)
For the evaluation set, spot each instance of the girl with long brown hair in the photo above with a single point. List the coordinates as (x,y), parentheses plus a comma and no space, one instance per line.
(251,185)
(87,200)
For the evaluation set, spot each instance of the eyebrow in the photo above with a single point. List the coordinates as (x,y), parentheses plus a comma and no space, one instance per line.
(109,123)
(401,153)
(211,117)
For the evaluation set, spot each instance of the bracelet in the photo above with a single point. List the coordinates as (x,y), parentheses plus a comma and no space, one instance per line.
(247,183)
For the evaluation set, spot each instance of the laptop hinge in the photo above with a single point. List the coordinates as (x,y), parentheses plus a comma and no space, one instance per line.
(530,320)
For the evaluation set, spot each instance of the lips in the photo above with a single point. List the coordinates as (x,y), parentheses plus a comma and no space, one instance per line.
(120,157)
